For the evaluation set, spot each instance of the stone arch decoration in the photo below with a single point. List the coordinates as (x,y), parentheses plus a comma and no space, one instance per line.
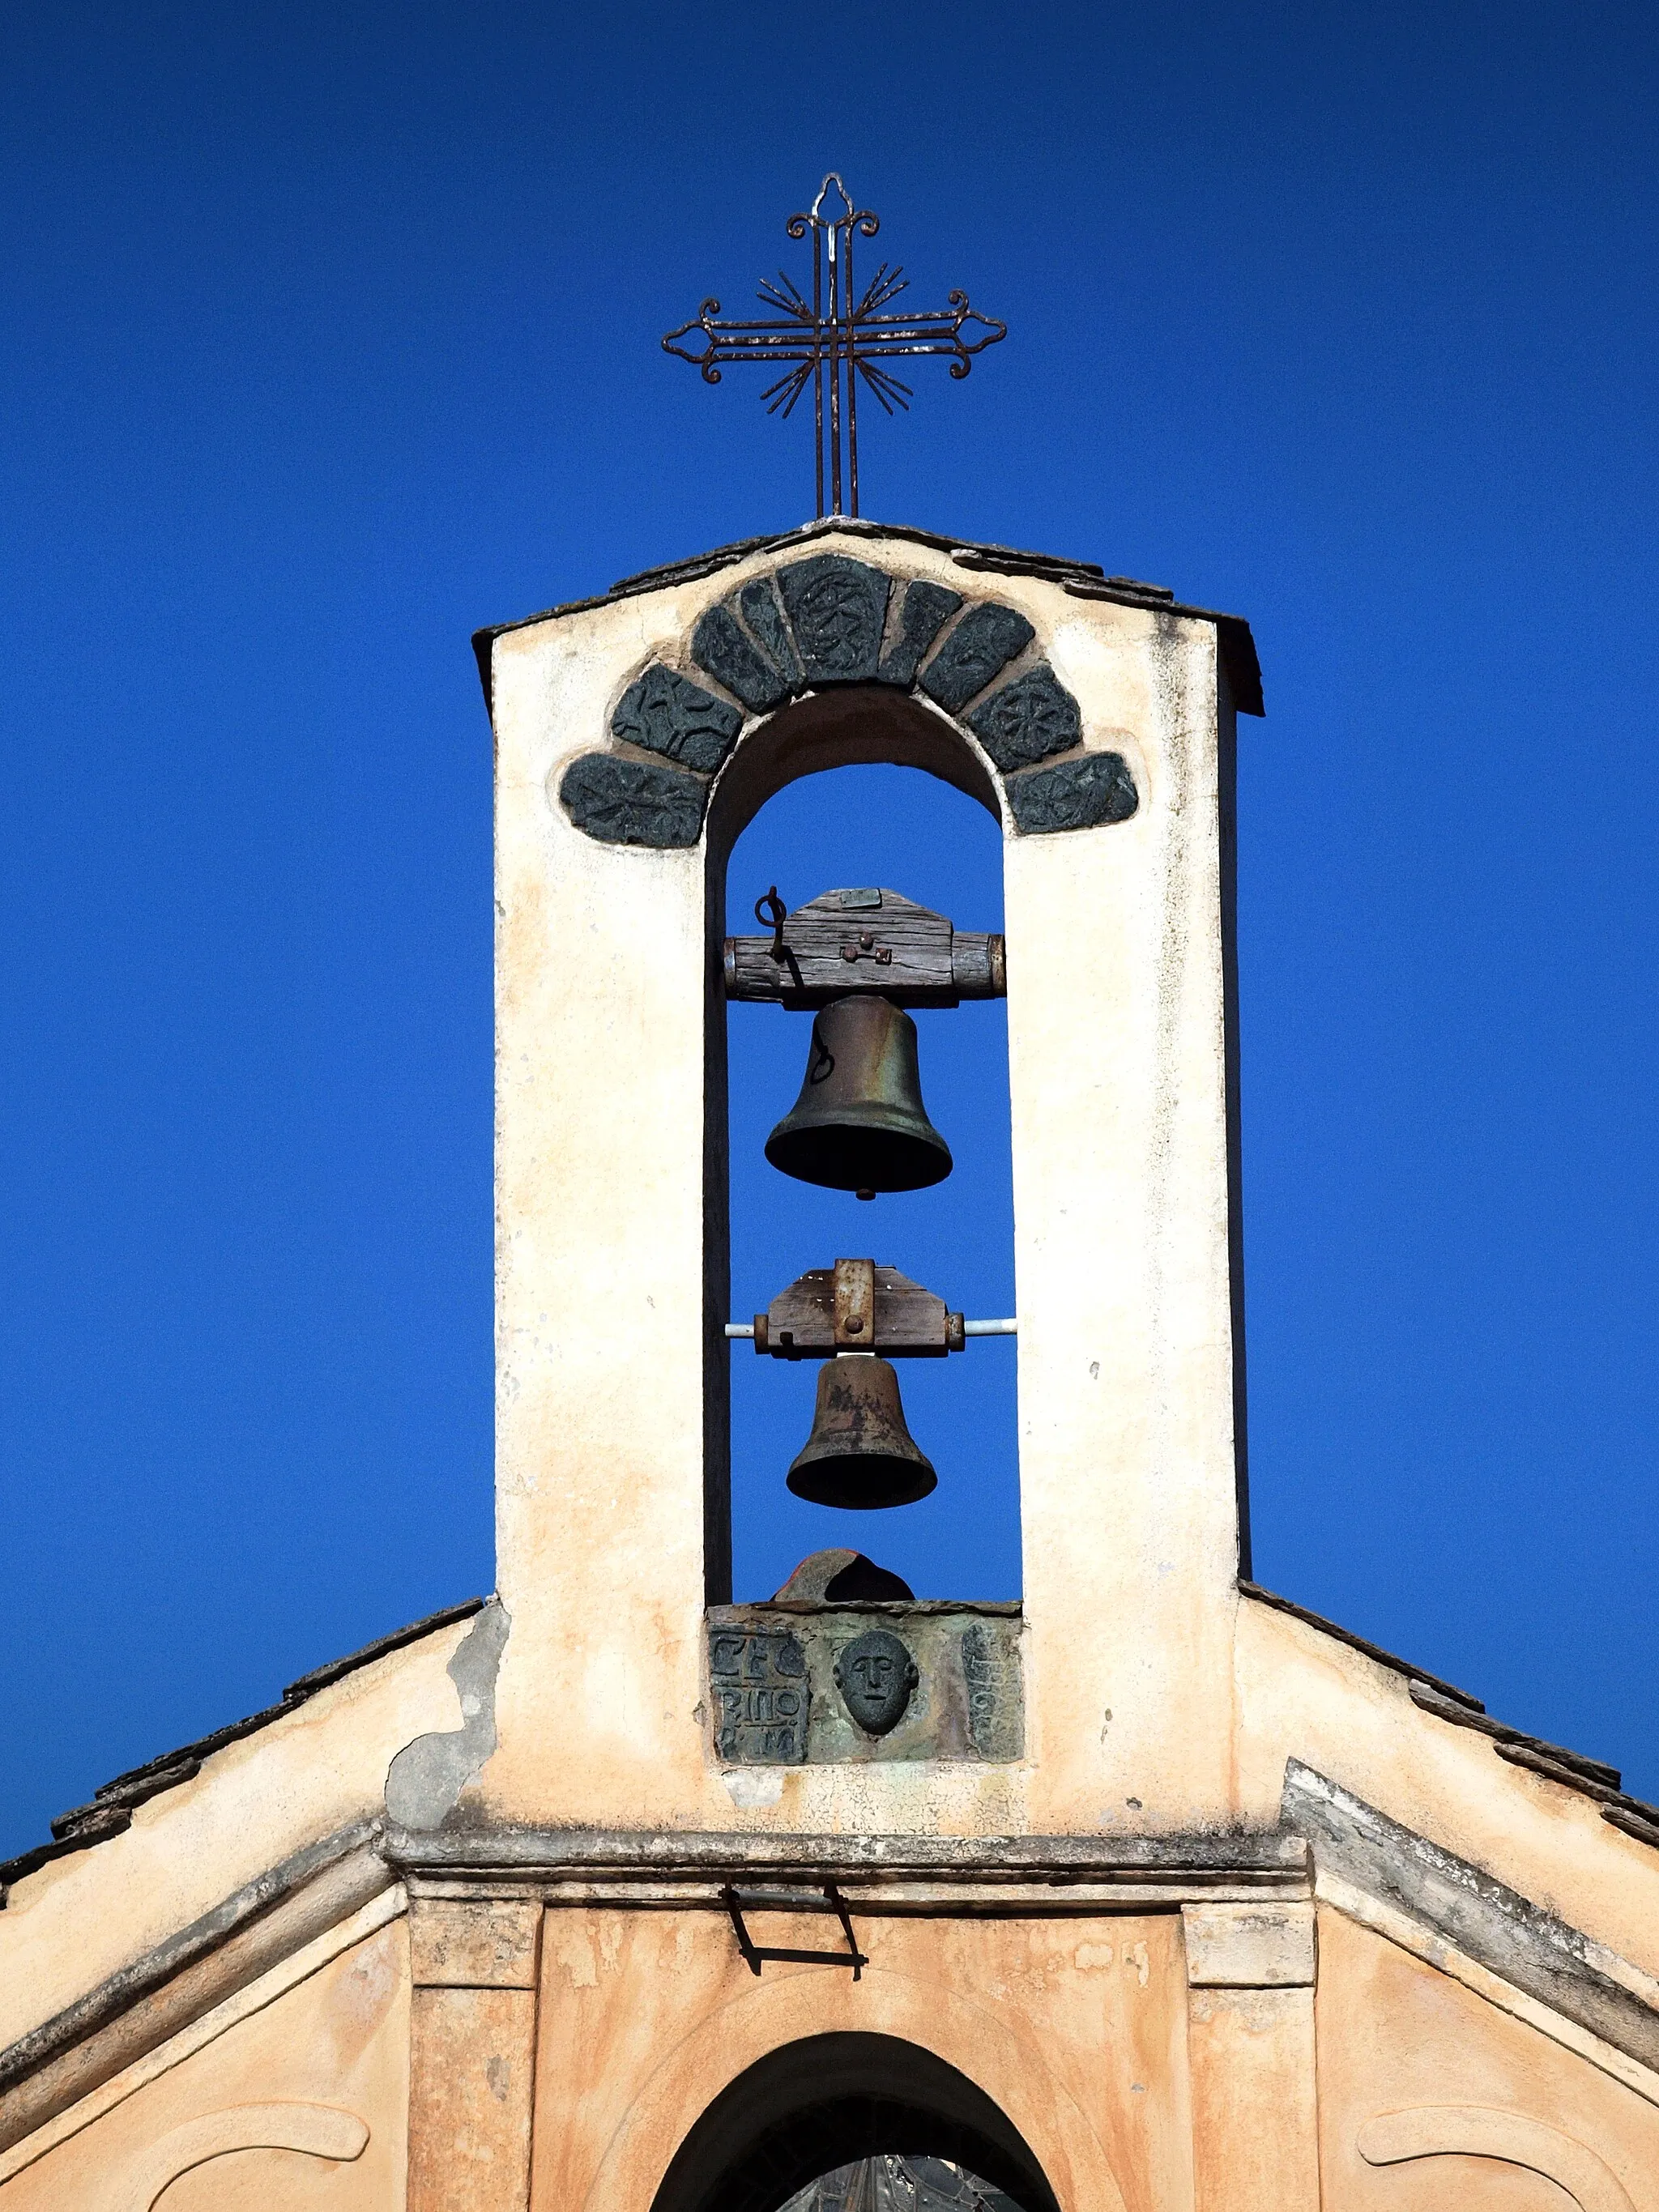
(312,2131)
(830,620)
(1509,2138)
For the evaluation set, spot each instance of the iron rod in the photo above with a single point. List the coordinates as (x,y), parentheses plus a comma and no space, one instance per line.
(1009,1327)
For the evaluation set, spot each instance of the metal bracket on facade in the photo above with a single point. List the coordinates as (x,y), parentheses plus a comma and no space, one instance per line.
(791,1901)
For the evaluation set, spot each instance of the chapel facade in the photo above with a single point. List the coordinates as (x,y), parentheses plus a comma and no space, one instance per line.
(617,1891)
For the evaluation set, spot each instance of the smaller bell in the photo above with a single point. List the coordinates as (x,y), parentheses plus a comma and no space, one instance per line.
(859,1123)
(860,1454)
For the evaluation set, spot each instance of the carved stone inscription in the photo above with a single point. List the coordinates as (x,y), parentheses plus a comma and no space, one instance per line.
(632,802)
(762,1697)
(991,1673)
(759,601)
(823,621)
(900,1679)
(986,638)
(679,720)
(927,609)
(1028,720)
(719,646)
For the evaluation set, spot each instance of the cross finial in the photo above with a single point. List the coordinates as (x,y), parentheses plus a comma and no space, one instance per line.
(835,338)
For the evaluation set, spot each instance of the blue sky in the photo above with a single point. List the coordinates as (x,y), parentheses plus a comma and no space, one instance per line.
(330,335)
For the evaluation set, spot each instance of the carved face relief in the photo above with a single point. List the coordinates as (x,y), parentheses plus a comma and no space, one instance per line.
(875,1675)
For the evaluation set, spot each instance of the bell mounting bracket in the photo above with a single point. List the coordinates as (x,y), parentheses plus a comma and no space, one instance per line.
(862,940)
(856,1306)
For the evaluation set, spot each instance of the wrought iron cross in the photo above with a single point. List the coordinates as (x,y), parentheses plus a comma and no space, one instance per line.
(837,337)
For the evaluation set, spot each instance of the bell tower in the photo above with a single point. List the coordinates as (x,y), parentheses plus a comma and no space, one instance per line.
(760,1886)
(629,1891)
(651,1743)
(636,737)
(622,1890)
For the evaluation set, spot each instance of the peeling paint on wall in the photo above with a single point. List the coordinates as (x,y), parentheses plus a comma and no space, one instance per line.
(424,1781)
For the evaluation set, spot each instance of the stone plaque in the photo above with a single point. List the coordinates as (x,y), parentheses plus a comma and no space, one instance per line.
(986,638)
(1074,794)
(1028,720)
(990,1672)
(888,1677)
(759,601)
(720,647)
(762,1700)
(927,609)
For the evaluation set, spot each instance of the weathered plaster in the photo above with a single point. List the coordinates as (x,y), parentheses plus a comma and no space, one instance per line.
(1305,1695)
(1396,2038)
(610,1211)
(658,2012)
(425,1780)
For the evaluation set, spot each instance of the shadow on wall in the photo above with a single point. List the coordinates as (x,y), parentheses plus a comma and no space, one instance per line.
(903,831)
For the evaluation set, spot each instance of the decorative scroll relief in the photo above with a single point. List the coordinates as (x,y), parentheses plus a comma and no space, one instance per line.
(832,620)
(312,2131)
(1509,2138)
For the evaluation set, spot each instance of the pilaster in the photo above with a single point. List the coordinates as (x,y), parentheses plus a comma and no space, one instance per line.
(473,2053)
(1250,1971)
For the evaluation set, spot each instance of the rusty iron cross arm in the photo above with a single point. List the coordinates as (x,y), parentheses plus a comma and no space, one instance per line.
(836,339)
(939,330)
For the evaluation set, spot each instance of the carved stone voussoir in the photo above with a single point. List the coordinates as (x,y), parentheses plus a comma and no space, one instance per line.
(1074,794)
(630,802)
(669,715)
(927,609)
(762,611)
(985,640)
(837,608)
(812,1685)
(1027,721)
(720,648)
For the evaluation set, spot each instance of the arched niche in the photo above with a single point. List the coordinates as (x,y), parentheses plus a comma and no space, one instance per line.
(825,2101)
(861,724)
(847,775)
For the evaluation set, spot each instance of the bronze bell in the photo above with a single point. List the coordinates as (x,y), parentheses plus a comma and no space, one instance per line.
(859,1453)
(859,1123)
